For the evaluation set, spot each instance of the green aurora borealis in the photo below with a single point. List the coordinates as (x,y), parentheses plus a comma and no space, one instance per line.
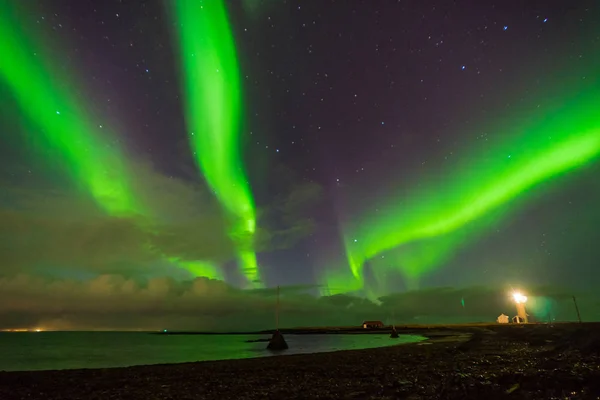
(411,233)
(416,233)
(88,150)
(42,91)
(213,100)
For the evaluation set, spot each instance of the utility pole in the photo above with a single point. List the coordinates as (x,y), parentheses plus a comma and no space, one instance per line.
(277,311)
(394,333)
(577,309)
(277,341)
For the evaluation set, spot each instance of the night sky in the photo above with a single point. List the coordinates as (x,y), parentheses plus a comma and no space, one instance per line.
(168,163)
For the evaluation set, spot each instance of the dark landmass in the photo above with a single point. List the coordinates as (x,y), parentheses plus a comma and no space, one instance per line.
(559,361)
(345,330)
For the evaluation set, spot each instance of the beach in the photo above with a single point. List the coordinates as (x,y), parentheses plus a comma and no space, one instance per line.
(456,362)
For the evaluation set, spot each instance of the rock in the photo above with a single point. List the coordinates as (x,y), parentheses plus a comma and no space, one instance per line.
(277,342)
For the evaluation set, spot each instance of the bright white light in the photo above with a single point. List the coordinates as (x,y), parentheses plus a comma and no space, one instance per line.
(519,298)
(38,330)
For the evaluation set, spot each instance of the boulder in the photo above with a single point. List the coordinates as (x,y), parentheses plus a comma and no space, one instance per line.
(277,342)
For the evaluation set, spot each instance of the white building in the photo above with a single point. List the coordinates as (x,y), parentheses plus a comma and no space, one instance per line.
(503,319)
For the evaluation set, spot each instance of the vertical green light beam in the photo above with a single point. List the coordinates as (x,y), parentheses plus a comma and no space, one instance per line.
(213,102)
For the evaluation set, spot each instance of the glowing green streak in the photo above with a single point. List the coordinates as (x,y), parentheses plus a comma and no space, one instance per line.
(337,282)
(565,157)
(212,90)
(199,268)
(61,119)
(416,257)
(559,144)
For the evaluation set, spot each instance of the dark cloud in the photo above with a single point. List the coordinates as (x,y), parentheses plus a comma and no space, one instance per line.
(290,217)
(94,243)
(53,227)
(61,228)
(116,302)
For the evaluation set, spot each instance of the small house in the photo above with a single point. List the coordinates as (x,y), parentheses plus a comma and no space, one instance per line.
(503,319)
(372,324)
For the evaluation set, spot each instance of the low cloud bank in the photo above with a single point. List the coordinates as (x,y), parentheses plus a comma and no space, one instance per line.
(116,302)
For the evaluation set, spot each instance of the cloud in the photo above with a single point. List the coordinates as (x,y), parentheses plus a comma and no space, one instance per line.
(49,227)
(115,302)
(290,217)
(93,243)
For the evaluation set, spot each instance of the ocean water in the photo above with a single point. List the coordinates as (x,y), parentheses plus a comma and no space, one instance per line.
(29,351)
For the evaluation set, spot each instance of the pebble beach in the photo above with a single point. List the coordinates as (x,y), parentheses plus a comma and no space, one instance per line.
(512,362)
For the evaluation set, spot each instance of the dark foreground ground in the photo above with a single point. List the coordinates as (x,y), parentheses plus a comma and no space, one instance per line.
(461,362)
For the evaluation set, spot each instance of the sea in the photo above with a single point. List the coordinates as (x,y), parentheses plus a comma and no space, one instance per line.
(35,351)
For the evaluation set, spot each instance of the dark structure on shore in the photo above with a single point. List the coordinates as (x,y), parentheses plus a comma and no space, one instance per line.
(372,324)
(277,341)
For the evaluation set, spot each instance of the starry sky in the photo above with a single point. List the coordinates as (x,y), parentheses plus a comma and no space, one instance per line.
(361,154)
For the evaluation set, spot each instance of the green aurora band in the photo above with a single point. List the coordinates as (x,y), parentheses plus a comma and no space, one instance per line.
(213,102)
(61,119)
(420,231)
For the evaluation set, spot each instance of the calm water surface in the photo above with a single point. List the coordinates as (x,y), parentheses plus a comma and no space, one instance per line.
(28,351)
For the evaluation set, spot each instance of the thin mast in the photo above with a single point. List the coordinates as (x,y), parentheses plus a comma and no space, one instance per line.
(577,309)
(277,311)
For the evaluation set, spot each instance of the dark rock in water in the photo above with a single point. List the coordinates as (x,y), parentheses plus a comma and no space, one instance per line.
(394,334)
(277,342)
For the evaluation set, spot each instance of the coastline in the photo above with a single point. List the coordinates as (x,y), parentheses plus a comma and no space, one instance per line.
(462,362)
(343,330)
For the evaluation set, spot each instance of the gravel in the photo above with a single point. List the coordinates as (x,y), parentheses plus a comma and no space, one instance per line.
(522,362)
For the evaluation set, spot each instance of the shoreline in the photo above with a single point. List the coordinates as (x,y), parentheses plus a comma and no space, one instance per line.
(526,361)
(401,328)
